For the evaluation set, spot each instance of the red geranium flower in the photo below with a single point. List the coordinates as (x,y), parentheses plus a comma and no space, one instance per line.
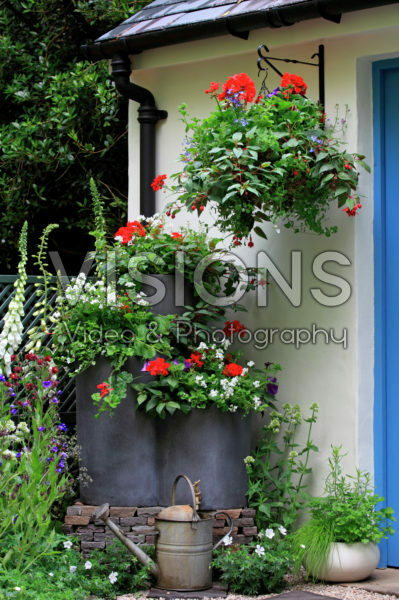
(240,84)
(104,388)
(125,234)
(158,367)
(177,236)
(213,88)
(231,327)
(158,182)
(195,359)
(232,370)
(352,212)
(299,86)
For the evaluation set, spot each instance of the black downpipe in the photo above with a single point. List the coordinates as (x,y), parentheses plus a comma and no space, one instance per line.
(149,115)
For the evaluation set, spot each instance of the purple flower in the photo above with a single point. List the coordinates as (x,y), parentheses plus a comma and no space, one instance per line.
(47,483)
(13,409)
(62,427)
(49,459)
(235,120)
(19,455)
(55,448)
(55,400)
(47,383)
(1,462)
(187,364)
(15,519)
(274,92)
(41,428)
(2,378)
(176,362)
(267,364)
(147,362)
(272,386)
(243,122)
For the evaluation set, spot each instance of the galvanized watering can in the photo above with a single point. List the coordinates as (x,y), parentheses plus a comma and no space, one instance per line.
(183,548)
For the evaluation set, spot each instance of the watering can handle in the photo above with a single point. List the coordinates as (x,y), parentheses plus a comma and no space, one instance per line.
(195,514)
(230,521)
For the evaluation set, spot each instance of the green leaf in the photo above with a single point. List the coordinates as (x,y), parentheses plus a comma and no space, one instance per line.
(260,232)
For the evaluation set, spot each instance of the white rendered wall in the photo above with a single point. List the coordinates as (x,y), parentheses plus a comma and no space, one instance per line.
(341,381)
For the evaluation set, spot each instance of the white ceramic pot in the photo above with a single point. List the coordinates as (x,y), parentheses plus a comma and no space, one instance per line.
(349,562)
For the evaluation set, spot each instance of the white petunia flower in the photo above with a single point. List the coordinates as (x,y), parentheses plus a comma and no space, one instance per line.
(257,404)
(259,550)
(17,588)
(228,540)
(118,238)
(303,546)
(269,533)
(72,569)
(250,363)
(202,346)
(113,576)
(282,530)
(67,545)
(88,564)
(233,408)
(256,384)
(213,393)
(51,574)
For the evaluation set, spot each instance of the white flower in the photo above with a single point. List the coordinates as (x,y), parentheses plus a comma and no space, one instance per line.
(118,238)
(88,564)
(256,384)
(17,588)
(257,404)
(72,569)
(269,533)
(22,426)
(219,354)
(67,546)
(198,379)
(213,393)
(259,550)
(282,530)
(202,346)
(113,576)
(51,574)
(228,540)
(260,535)
(250,363)
(303,546)
(244,372)
(233,408)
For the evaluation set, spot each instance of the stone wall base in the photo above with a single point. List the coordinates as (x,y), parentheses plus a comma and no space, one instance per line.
(138,524)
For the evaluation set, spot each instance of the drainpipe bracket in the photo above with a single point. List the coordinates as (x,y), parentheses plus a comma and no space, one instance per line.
(150,114)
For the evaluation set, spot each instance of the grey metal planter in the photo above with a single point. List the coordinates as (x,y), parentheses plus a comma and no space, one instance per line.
(119,450)
(208,445)
(133,459)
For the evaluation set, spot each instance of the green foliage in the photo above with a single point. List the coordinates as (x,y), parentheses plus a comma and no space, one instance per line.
(62,121)
(272,160)
(256,568)
(32,474)
(53,579)
(347,513)
(279,466)
(202,380)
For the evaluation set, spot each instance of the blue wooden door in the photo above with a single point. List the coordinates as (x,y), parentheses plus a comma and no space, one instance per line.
(386,121)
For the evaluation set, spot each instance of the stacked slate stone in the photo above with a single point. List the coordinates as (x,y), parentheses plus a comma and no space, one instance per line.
(138,524)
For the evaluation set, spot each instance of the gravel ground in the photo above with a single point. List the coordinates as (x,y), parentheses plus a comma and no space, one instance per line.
(332,591)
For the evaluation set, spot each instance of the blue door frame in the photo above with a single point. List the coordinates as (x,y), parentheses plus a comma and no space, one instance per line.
(382,165)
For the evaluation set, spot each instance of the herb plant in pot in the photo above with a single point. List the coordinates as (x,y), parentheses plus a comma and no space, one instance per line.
(339,541)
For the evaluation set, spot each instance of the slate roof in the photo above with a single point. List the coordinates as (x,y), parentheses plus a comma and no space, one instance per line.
(165,22)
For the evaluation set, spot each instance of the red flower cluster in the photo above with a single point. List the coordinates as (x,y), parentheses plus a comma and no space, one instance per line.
(240,84)
(231,327)
(351,212)
(177,236)
(158,367)
(125,234)
(195,359)
(214,87)
(299,86)
(233,370)
(104,388)
(158,182)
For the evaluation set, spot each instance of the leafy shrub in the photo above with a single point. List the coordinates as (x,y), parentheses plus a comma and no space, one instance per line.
(258,568)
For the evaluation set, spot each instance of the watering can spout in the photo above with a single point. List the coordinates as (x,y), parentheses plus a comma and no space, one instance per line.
(102,513)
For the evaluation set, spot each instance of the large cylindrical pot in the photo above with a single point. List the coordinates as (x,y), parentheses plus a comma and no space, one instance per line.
(349,562)
(167,294)
(209,445)
(119,451)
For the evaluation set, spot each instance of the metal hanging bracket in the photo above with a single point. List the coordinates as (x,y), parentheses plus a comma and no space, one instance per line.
(264,62)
